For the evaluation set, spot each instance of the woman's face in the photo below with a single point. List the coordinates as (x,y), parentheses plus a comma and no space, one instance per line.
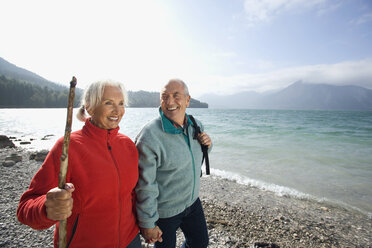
(108,114)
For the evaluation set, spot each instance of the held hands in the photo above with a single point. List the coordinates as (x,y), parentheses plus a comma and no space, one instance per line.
(204,139)
(152,235)
(59,202)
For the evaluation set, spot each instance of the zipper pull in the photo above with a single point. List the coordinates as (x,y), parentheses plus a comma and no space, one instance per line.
(108,140)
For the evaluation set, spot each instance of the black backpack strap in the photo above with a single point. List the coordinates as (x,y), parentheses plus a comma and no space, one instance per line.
(203,147)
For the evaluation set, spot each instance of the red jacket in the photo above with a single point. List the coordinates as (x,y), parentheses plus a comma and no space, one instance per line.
(103,166)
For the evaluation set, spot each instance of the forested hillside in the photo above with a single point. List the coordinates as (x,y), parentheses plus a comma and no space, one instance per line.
(16,94)
(12,71)
(20,88)
(145,99)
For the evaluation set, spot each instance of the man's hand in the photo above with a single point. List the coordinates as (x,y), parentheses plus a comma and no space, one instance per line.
(152,235)
(59,202)
(204,139)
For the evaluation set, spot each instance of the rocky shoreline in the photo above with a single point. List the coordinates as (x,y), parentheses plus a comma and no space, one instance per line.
(250,217)
(237,215)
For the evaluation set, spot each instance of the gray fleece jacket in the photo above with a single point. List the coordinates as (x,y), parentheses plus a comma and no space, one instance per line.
(169,170)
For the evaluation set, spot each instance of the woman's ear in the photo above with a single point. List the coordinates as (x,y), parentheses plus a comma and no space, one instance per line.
(90,111)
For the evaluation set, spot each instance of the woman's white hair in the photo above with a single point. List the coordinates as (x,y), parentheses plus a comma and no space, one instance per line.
(93,95)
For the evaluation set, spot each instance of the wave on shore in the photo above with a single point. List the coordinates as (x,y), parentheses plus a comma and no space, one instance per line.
(282,190)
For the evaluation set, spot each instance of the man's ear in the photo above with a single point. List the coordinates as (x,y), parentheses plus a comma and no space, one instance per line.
(188,101)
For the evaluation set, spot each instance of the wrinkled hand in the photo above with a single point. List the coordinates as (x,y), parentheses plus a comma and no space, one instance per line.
(204,139)
(152,235)
(59,202)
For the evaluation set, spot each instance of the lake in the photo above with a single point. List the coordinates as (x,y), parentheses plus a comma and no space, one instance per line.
(317,155)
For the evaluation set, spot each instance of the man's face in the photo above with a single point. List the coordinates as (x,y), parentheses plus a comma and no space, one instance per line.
(174,102)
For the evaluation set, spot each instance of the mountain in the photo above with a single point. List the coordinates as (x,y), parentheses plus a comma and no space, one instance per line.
(12,71)
(245,99)
(299,96)
(20,88)
(321,96)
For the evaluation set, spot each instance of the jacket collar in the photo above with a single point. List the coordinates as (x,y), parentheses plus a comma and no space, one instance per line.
(95,131)
(169,126)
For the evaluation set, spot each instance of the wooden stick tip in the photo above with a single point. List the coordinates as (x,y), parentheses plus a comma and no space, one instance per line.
(73,82)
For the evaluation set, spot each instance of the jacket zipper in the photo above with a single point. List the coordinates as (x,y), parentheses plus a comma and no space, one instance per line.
(73,231)
(117,170)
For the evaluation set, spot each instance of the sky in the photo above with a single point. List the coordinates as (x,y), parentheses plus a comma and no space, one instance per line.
(215,46)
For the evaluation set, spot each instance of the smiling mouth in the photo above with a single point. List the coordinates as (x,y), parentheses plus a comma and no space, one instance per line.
(172,108)
(113,118)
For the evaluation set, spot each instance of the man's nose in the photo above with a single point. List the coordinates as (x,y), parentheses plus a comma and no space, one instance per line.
(170,100)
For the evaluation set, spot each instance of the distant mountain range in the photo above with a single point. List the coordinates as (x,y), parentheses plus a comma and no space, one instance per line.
(298,95)
(20,88)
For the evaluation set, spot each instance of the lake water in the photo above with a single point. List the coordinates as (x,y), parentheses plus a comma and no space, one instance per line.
(318,155)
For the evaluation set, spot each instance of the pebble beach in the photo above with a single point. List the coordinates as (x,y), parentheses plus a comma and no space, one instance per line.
(237,215)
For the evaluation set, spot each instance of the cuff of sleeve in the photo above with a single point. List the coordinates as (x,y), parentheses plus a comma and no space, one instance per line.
(210,148)
(146,225)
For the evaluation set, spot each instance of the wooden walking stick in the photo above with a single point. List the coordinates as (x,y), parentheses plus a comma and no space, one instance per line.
(64,159)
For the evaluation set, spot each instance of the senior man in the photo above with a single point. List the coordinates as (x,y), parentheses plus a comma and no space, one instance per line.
(169,166)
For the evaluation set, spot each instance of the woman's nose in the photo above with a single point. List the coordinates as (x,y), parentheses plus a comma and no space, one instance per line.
(116,108)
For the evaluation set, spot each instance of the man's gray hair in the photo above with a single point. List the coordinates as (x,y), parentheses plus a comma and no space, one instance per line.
(93,95)
(186,89)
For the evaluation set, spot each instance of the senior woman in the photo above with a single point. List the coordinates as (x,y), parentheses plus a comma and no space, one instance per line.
(98,200)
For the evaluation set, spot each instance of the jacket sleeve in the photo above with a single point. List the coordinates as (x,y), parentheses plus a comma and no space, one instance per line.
(31,210)
(147,188)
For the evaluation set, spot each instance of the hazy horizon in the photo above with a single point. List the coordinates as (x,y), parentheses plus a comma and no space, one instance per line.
(215,47)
